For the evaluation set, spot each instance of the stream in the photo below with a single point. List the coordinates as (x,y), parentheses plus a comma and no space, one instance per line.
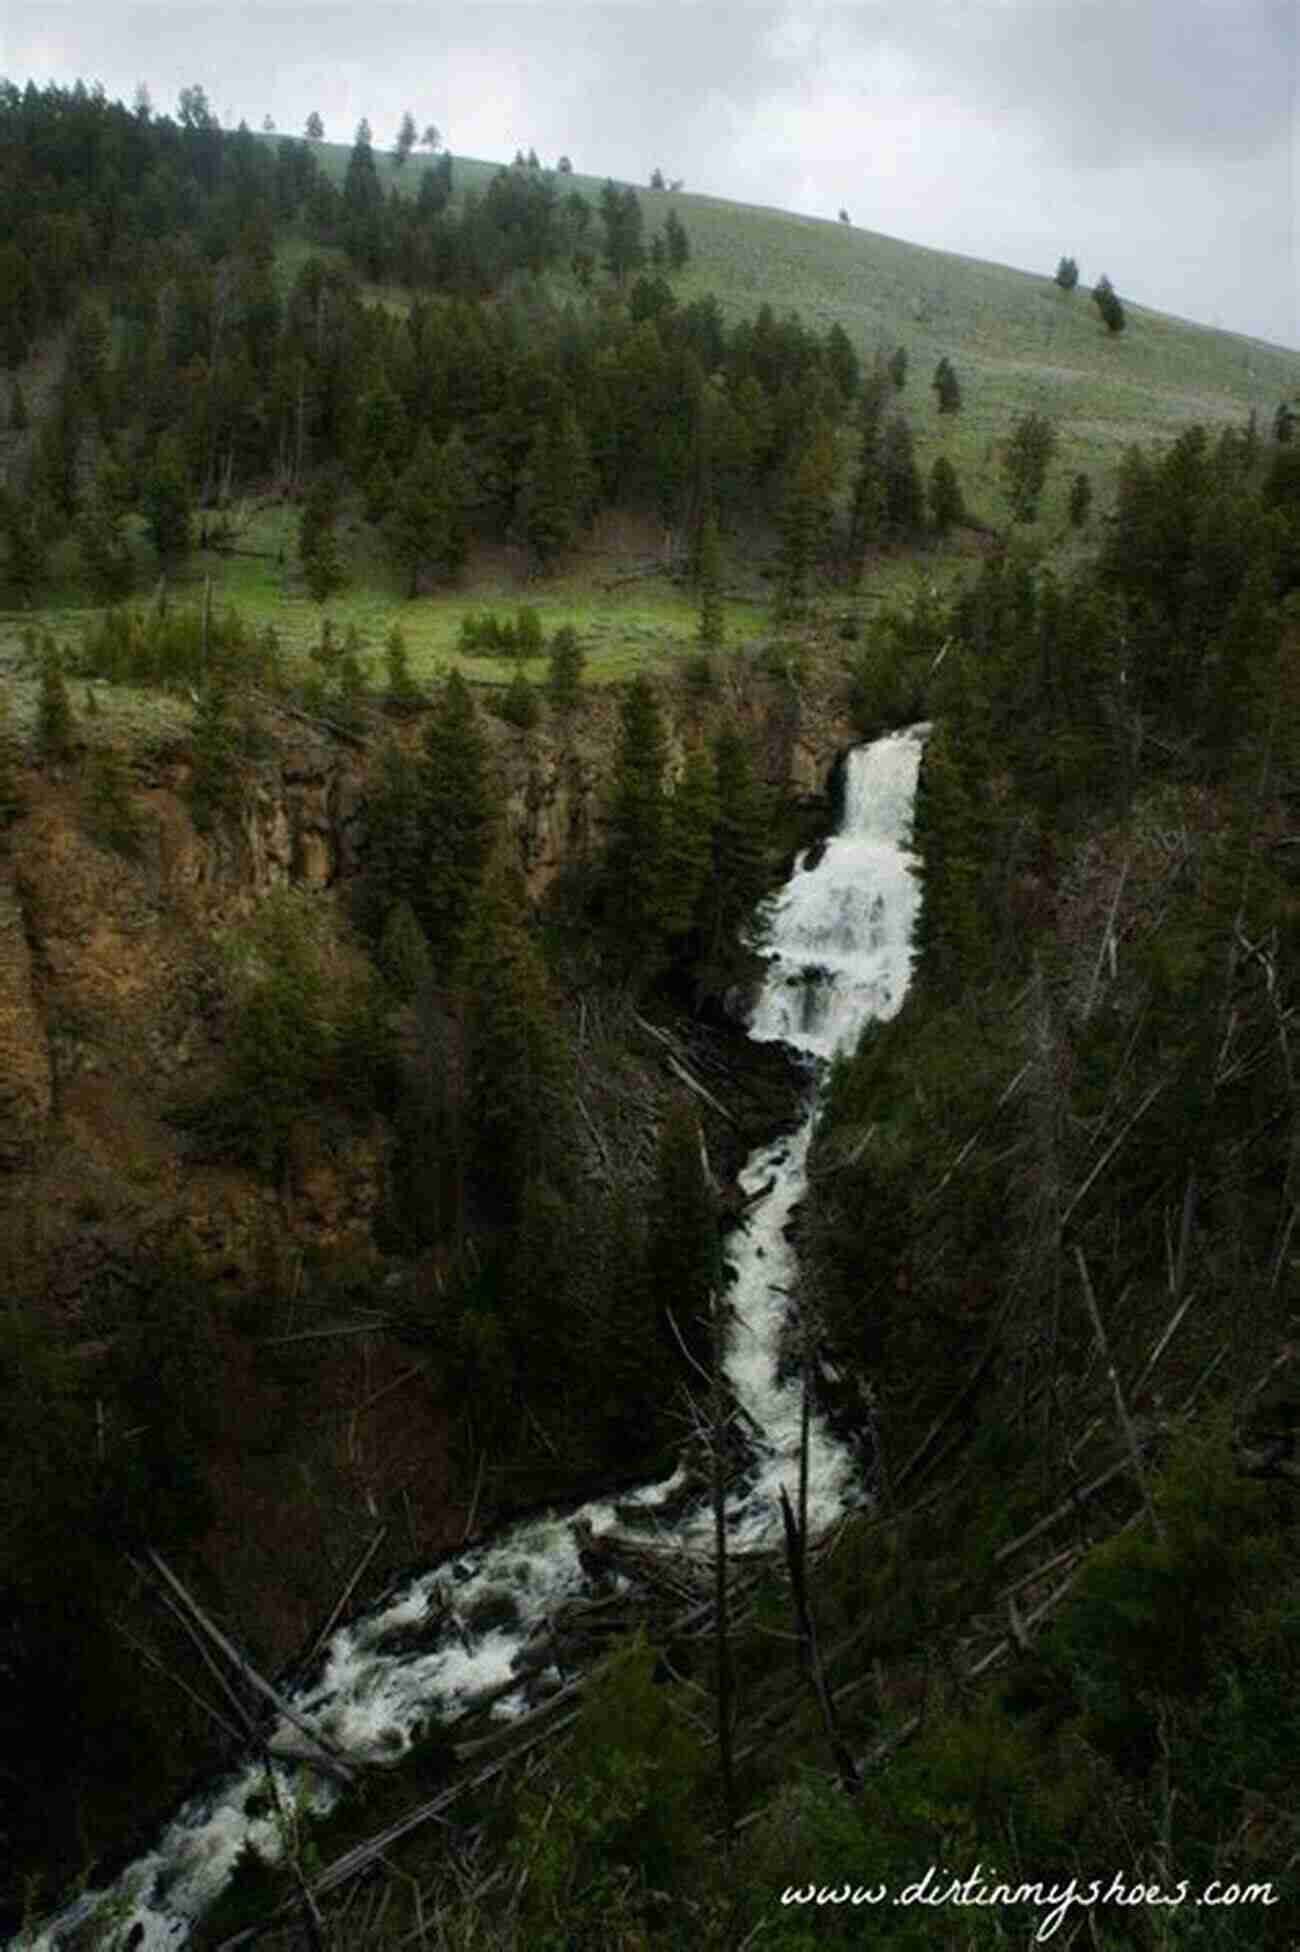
(837,939)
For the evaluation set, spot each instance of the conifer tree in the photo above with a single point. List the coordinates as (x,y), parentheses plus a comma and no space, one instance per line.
(711,629)
(1107,301)
(105,552)
(566,663)
(379,492)
(947,387)
(167,499)
(396,838)
(25,545)
(318,550)
(459,817)
(738,877)
(903,495)
(18,415)
(868,510)
(690,821)
(1026,457)
(514,1063)
(1080,500)
(402,689)
(805,516)
(677,242)
(1067,274)
(947,504)
(634,859)
(417,526)
(555,489)
(898,367)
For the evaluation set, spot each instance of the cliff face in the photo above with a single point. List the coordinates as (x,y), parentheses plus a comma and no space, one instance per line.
(110,992)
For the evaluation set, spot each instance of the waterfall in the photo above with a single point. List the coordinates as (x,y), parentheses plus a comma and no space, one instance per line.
(838,943)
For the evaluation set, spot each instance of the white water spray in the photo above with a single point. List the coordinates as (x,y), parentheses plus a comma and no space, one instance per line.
(838,939)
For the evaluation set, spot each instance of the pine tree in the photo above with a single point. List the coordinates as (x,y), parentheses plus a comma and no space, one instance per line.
(318,550)
(1080,500)
(379,492)
(555,489)
(805,516)
(105,552)
(904,500)
(690,820)
(634,858)
(1067,274)
(845,367)
(514,1061)
(1026,457)
(214,775)
(567,661)
(416,530)
(1107,301)
(167,500)
(898,367)
(459,817)
(738,878)
(402,689)
(947,504)
(406,139)
(677,242)
(868,510)
(947,387)
(711,629)
(396,838)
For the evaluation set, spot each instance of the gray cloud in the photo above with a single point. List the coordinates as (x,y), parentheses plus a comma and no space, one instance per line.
(1150,138)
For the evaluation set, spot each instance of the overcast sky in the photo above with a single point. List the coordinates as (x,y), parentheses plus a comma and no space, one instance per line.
(1155,140)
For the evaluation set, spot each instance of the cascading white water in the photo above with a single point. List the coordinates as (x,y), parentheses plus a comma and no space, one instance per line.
(838,939)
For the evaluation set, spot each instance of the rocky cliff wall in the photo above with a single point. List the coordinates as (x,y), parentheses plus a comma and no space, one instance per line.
(110,998)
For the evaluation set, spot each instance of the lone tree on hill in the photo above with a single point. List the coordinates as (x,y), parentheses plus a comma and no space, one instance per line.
(845,217)
(1025,461)
(315,127)
(657,180)
(1106,299)
(432,138)
(1067,274)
